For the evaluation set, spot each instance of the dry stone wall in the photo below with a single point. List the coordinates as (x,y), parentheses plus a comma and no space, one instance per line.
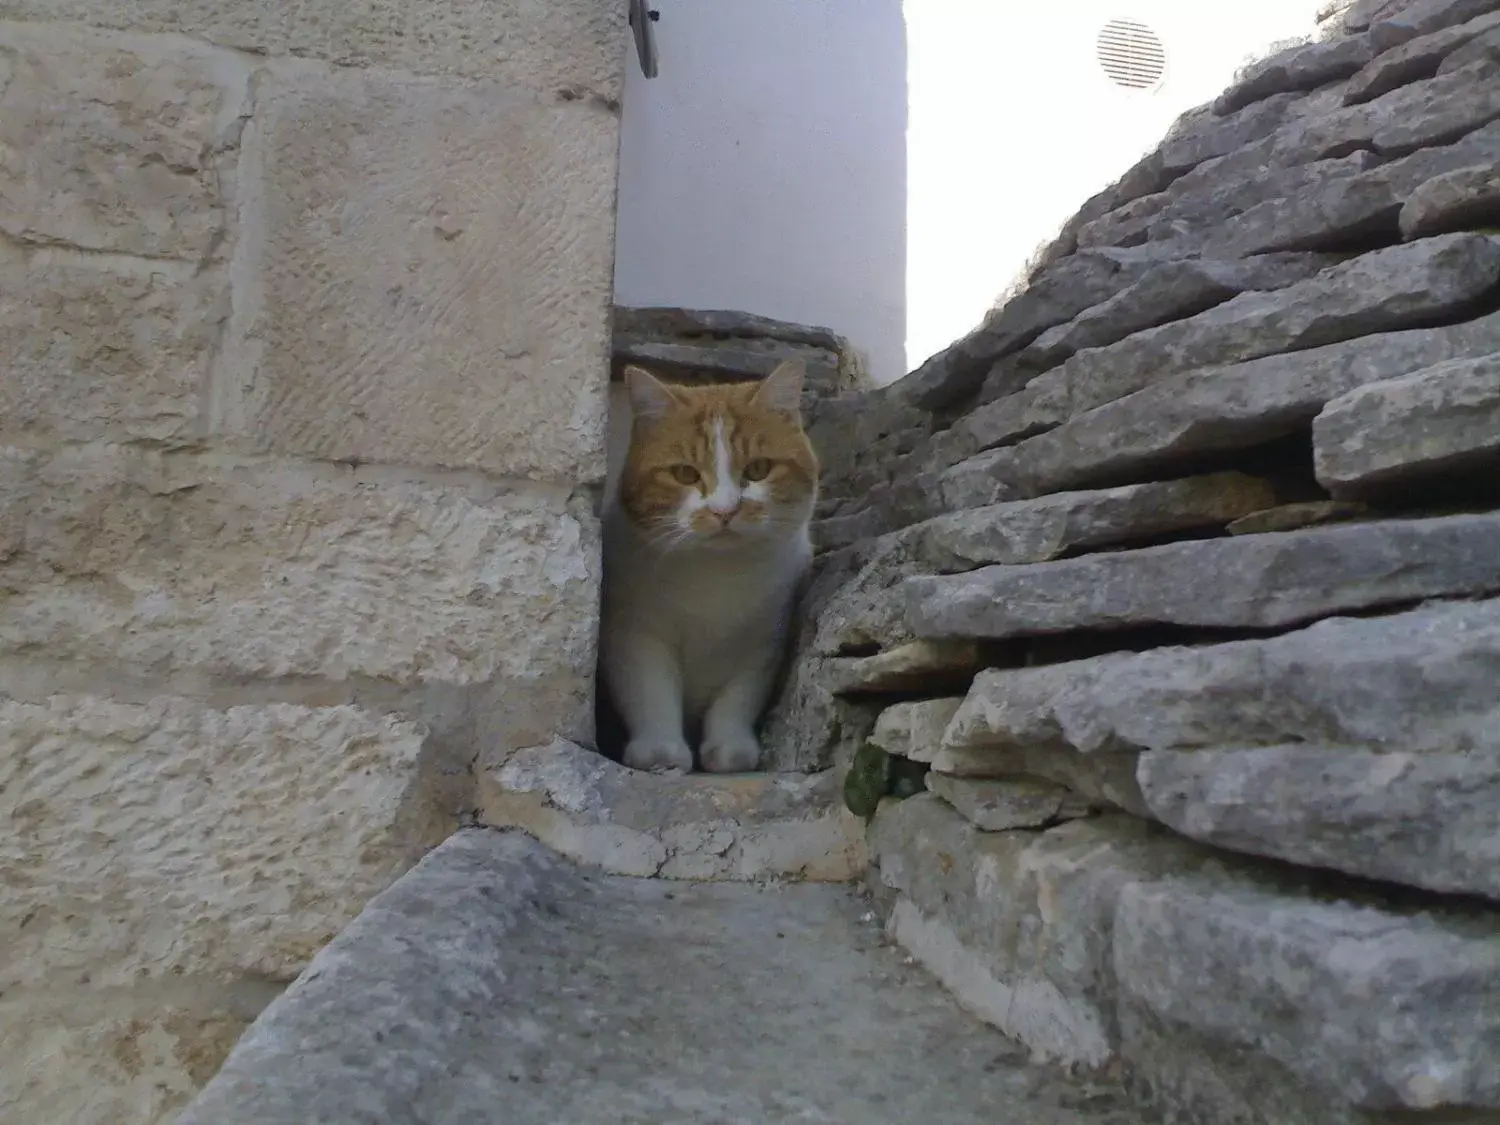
(305,325)
(1170,595)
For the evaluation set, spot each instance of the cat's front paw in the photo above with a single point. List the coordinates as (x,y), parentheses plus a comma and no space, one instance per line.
(658,754)
(730,753)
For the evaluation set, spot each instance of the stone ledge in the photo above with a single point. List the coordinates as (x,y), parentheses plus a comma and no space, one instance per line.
(693,826)
(1266,581)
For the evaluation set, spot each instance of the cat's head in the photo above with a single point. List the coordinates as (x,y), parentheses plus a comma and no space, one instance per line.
(718,466)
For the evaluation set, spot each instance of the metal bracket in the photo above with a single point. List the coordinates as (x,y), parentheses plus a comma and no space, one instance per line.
(641,19)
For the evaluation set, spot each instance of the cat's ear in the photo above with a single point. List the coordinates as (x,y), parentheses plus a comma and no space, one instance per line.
(781,390)
(649,397)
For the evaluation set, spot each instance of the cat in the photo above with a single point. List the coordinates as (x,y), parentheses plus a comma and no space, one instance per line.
(705,547)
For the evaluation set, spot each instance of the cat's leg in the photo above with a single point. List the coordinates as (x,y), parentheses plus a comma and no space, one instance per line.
(729,741)
(646,684)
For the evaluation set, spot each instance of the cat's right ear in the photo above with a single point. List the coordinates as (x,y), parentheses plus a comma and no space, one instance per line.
(650,398)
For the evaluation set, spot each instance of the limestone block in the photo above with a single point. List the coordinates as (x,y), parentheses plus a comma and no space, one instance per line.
(1398,287)
(1415,682)
(165,563)
(1201,135)
(979,481)
(427,271)
(1171,291)
(1254,581)
(1424,18)
(1464,197)
(1233,407)
(1057,295)
(1303,67)
(100,1059)
(106,347)
(1442,418)
(998,804)
(1429,820)
(1292,517)
(116,143)
(1353,209)
(914,729)
(564,47)
(809,727)
(919,666)
(1017,924)
(1415,59)
(1380,1009)
(167,837)
(1028,531)
(1103,780)
(685,826)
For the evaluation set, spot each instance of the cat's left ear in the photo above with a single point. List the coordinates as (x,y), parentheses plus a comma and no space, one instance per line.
(781,390)
(649,396)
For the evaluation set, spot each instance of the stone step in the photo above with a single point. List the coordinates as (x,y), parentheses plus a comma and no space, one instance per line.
(495,983)
(673,826)
(1233,995)
(1366,745)
(1266,581)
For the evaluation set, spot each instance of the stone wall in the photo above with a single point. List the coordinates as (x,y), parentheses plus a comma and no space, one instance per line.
(305,316)
(1173,593)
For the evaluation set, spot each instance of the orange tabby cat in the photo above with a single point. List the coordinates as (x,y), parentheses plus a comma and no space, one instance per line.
(703,552)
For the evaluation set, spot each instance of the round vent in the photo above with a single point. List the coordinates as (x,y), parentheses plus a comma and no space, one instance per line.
(1131,54)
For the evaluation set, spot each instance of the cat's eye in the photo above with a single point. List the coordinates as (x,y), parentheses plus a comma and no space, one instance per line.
(758,469)
(685,474)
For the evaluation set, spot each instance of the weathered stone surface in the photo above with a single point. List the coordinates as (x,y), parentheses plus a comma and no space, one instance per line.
(1388,289)
(375,326)
(163,564)
(1017,924)
(915,729)
(861,611)
(1303,67)
(1197,205)
(809,727)
(164,838)
(116,146)
(920,666)
(1353,209)
(1290,517)
(1057,295)
(1435,420)
(1101,780)
(999,804)
(96,1057)
(1027,531)
(1226,408)
(1201,135)
(1414,60)
(1465,197)
(1265,581)
(105,347)
(1172,291)
(572,48)
(1383,1011)
(689,826)
(495,979)
(1486,45)
(979,481)
(1409,21)
(1416,682)
(1424,820)
(1455,102)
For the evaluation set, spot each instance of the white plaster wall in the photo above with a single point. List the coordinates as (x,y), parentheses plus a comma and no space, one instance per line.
(764,169)
(1013,124)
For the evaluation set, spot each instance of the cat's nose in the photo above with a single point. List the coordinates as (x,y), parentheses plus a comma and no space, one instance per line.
(726,514)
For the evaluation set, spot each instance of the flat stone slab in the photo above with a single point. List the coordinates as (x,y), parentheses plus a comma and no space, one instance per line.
(1246,994)
(999,804)
(1441,419)
(914,729)
(1464,197)
(1230,407)
(1414,60)
(1249,581)
(673,826)
(495,983)
(1397,287)
(1303,67)
(1293,517)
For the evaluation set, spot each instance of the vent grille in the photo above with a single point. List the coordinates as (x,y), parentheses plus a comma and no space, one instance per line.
(1131,54)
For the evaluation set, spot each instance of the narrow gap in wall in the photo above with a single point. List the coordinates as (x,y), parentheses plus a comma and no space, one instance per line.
(1285,459)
